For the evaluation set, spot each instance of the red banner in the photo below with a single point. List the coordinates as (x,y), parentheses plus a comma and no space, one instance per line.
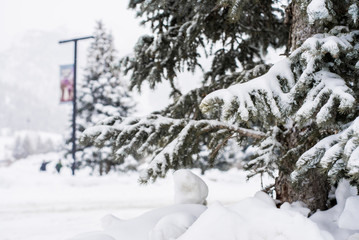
(67,82)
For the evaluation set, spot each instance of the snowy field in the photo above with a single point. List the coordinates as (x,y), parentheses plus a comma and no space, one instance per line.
(38,205)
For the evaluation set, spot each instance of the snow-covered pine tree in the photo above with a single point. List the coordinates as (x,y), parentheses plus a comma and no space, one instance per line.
(23,146)
(187,29)
(101,94)
(302,114)
(235,35)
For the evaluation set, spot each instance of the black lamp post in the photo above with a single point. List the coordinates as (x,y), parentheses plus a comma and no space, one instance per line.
(74,109)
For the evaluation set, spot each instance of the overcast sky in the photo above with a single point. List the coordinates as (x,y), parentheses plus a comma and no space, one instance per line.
(30,31)
(73,18)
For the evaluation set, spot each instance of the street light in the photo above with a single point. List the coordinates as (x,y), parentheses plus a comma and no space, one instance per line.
(73,167)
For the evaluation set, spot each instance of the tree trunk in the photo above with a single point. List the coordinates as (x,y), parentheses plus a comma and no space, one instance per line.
(313,192)
(299,27)
(314,189)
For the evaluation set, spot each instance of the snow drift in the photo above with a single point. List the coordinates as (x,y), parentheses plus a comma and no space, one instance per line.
(252,218)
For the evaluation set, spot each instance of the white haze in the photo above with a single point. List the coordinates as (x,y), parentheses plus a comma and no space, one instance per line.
(30,57)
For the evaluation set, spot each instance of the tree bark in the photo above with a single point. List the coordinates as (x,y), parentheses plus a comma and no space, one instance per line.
(313,192)
(299,27)
(314,189)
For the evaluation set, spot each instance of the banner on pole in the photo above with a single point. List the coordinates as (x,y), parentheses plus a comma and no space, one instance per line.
(67,82)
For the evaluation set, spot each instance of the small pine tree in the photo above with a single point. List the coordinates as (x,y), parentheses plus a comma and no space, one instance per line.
(19,149)
(101,94)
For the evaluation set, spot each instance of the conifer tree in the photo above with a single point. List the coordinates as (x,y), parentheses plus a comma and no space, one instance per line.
(301,114)
(101,94)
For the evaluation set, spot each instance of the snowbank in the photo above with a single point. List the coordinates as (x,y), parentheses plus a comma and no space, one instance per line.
(158,224)
(251,218)
(45,205)
(38,205)
(189,188)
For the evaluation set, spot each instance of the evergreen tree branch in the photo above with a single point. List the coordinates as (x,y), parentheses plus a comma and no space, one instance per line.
(308,96)
(182,28)
(176,141)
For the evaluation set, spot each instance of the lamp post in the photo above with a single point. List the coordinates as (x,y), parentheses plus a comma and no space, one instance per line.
(74,109)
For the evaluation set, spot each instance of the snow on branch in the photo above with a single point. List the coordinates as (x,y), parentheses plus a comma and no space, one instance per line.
(179,151)
(171,141)
(254,100)
(320,10)
(188,104)
(304,79)
(336,153)
(265,156)
(332,89)
(183,31)
(314,90)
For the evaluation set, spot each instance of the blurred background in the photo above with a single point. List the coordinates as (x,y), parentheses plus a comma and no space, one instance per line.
(30,56)
(34,125)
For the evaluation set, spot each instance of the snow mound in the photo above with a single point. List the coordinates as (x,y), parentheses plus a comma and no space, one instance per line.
(189,188)
(298,207)
(172,226)
(349,219)
(344,191)
(329,220)
(256,217)
(158,224)
(253,218)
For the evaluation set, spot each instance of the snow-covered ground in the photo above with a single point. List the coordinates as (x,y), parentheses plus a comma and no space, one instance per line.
(38,205)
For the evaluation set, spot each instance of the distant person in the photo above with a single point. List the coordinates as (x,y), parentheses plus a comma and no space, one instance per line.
(58,166)
(43,165)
